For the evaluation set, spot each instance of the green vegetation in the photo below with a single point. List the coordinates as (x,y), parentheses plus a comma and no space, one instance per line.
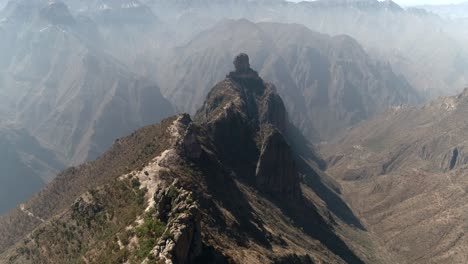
(135,183)
(173,192)
(148,234)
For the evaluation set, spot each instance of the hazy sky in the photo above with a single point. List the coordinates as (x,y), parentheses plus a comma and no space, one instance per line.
(419,2)
(430,2)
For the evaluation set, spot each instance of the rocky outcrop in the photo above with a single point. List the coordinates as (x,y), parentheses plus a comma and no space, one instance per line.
(191,145)
(181,241)
(241,63)
(272,110)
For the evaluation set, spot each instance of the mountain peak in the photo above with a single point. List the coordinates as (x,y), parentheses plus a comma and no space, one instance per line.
(248,122)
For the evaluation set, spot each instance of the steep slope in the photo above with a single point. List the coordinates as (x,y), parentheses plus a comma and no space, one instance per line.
(24,165)
(328,83)
(225,188)
(75,99)
(404,172)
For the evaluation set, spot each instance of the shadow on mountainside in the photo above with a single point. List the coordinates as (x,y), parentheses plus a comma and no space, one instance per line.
(304,155)
(305,216)
(302,147)
(334,202)
(222,188)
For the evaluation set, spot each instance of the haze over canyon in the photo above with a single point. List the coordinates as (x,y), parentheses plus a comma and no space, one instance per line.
(233,131)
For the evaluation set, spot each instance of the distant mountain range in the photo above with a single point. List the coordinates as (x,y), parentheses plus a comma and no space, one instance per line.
(69,95)
(409,39)
(123,51)
(79,110)
(328,83)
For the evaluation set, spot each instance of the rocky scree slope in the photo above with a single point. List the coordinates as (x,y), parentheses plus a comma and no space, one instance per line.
(229,187)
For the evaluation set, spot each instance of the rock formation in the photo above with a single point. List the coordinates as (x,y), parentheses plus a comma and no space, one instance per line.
(181,241)
(241,63)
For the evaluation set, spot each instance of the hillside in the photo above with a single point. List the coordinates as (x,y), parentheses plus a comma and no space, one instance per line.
(404,173)
(186,191)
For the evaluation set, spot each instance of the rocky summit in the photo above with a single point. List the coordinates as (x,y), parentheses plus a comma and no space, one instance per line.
(232,186)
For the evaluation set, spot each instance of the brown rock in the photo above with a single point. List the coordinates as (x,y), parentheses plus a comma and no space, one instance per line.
(181,241)
(191,144)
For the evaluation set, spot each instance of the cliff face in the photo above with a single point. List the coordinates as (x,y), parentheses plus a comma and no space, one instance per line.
(183,243)
(276,169)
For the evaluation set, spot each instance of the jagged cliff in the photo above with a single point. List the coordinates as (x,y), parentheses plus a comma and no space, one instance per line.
(228,187)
